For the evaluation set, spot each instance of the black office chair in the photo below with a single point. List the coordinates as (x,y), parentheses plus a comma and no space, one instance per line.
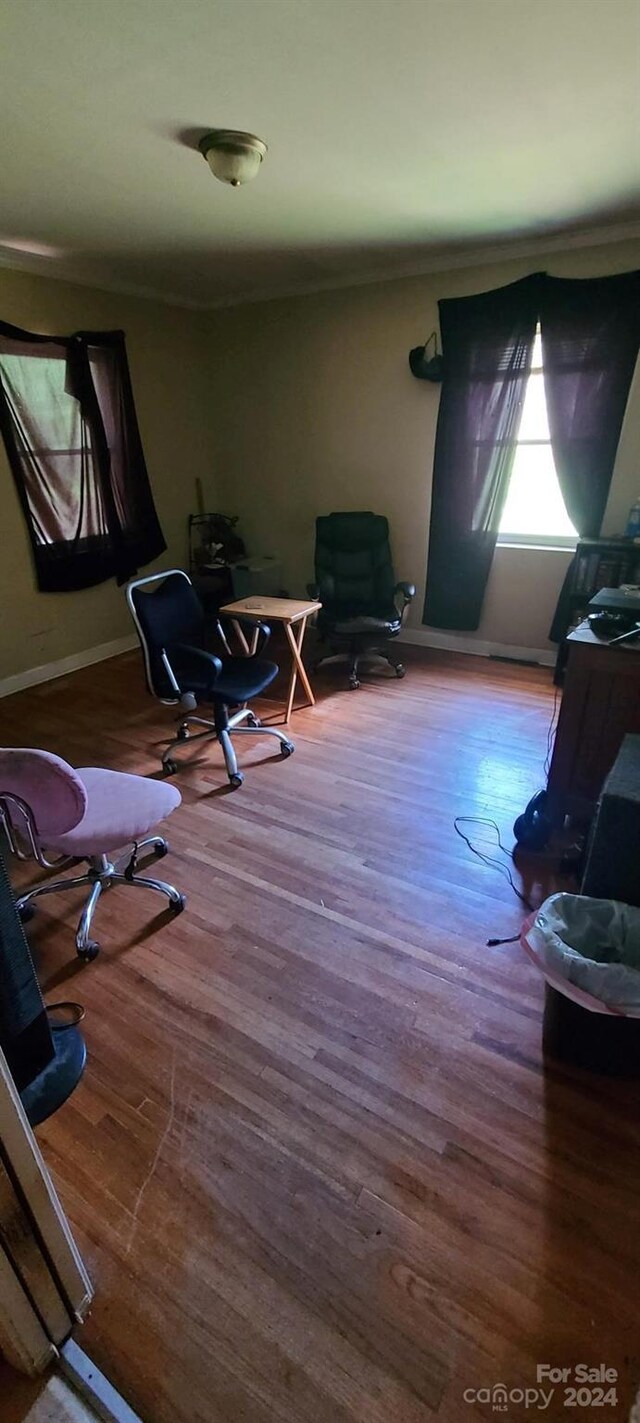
(171,625)
(362,605)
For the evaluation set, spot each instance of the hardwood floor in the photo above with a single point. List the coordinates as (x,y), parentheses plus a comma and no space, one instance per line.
(316,1167)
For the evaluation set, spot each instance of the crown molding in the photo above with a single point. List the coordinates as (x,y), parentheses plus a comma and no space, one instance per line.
(442,260)
(40,266)
(448,261)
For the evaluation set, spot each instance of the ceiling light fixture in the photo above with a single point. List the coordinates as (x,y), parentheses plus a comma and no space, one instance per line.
(233,157)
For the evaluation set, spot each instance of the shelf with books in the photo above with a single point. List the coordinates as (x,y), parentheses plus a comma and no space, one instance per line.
(597,563)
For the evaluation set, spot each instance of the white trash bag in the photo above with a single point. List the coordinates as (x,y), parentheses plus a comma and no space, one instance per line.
(588,949)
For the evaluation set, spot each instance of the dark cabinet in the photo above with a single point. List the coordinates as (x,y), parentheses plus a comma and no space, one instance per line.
(600,704)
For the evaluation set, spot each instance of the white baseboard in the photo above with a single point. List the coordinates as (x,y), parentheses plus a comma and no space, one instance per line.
(457,642)
(419,637)
(49,670)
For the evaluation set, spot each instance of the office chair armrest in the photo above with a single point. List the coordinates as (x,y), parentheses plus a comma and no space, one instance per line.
(195,653)
(405,591)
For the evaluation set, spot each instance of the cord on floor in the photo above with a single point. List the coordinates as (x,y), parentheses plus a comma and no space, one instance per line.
(493,863)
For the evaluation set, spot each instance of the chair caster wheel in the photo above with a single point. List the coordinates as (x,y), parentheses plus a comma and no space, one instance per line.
(236,780)
(254,721)
(353,684)
(287,748)
(400,670)
(177,905)
(26,912)
(89,952)
(170,767)
(161,850)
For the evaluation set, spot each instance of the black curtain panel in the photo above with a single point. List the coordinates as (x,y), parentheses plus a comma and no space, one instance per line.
(487,345)
(590,340)
(68,421)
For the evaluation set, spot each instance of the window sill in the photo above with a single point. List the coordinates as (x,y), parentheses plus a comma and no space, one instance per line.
(540,545)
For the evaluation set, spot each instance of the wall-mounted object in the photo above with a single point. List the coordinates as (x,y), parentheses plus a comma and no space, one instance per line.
(426,362)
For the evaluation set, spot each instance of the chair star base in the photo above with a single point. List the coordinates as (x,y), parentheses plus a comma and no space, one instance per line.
(354,656)
(101,875)
(221,729)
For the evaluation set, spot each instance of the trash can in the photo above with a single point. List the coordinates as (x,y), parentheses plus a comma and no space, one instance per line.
(588,951)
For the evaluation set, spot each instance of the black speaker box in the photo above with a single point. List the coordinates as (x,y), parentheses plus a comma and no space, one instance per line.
(45,1064)
(612,869)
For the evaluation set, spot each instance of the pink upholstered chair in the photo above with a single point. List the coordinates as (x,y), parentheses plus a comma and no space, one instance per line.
(48,808)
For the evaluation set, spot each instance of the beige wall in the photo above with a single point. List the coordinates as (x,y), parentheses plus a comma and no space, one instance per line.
(287,409)
(316,409)
(167,349)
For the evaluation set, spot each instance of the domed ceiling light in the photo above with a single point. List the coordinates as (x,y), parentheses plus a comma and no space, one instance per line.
(233,157)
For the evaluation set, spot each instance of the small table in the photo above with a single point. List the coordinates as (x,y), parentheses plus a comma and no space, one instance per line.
(293,615)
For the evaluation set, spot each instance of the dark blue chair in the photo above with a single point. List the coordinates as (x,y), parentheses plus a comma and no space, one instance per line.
(181,670)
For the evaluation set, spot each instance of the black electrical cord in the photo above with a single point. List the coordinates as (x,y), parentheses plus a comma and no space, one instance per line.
(490,860)
(551,733)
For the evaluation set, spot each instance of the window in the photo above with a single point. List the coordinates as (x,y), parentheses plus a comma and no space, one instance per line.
(70,506)
(534,511)
(68,422)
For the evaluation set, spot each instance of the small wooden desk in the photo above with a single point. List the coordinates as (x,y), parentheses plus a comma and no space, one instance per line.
(293,615)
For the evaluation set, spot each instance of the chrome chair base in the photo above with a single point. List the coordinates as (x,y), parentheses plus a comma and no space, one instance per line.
(101,874)
(221,729)
(354,656)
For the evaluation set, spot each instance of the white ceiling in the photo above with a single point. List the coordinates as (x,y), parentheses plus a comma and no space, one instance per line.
(396,129)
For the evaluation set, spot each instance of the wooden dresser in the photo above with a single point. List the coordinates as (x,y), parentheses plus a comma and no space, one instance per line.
(600,704)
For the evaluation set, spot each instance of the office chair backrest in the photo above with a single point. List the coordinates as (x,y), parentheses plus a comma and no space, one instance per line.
(353,564)
(166,609)
(48,786)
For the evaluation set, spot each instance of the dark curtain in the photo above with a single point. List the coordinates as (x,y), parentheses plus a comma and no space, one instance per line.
(590,341)
(487,345)
(68,421)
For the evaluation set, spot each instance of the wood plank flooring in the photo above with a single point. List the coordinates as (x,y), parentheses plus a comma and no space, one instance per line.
(316,1167)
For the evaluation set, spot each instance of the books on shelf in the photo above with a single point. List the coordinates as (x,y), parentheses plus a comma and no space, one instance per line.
(604,563)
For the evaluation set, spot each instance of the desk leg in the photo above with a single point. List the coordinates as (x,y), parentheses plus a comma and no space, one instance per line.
(298,668)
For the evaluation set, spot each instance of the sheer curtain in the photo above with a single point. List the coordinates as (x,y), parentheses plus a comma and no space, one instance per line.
(69,425)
